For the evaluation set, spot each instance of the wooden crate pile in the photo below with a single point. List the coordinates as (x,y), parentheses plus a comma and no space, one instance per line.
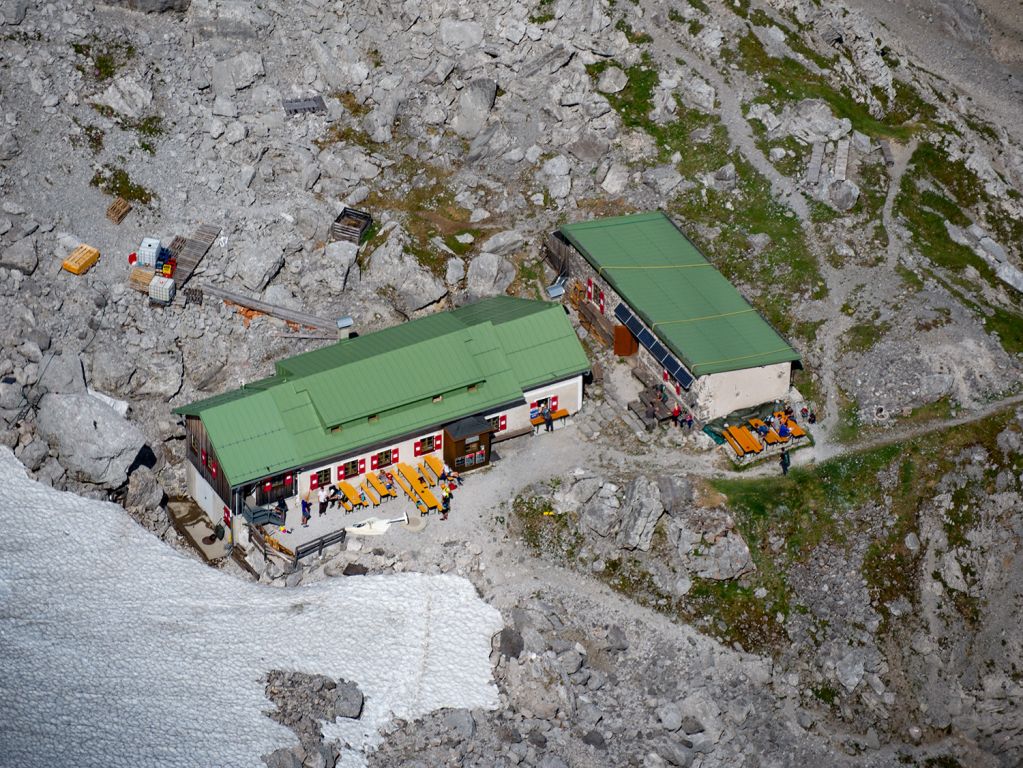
(351,225)
(140,278)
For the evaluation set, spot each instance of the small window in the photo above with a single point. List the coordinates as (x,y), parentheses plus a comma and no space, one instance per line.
(460,461)
(351,468)
(193,443)
(438,398)
(495,423)
(323,478)
(384,459)
(426,445)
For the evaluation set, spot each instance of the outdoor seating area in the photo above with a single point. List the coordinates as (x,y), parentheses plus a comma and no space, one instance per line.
(754,435)
(556,416)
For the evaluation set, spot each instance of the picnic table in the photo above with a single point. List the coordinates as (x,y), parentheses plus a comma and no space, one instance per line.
(436,465)
(351,495)
(379,487)
(418,485)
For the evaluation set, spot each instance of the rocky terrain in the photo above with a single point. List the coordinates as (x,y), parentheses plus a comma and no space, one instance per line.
(855,169)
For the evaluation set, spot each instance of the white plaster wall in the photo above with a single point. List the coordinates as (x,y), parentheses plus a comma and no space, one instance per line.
(718,394)
(203,494)
(568,392)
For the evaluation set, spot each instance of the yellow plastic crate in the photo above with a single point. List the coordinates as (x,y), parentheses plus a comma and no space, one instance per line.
(81,259)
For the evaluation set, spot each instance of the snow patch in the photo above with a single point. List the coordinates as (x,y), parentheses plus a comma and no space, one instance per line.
(119,651)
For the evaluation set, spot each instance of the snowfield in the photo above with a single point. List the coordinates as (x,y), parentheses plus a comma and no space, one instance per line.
(118,651)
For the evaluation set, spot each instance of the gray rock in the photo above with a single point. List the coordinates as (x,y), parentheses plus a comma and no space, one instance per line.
(812,121)
(13,11)
(616,639)
(9,146)
(675,753)
(341,255)
(255,265)
(224,106)
(700,94)
(460,724)
(503,243)
(599,517)
(488,275)
(510,643)
(455,271)
(285,757)
(640,512)
(993,249)
(34,454)
(237,73)
(612,80)
(144,490)
(94,443)
(150,6)
(912,542)
(349,700)
(127,96)
(616,179)
(379,123)
(460,35)
(670,717)
(413,286)
(21,256)
(844,194)
(595,738)
(849,670)
(158,376)
(474,105)
(727,558)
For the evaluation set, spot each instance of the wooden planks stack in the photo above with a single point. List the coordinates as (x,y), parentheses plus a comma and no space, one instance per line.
(118,210)
(192,250)
(140,278)
(81,259)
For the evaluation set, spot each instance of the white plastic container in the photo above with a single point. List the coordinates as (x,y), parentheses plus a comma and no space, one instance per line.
(148,252)
(162,289)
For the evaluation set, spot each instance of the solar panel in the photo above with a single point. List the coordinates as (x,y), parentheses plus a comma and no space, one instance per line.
(635,326)
(623,314)
(658,351)
(646,338)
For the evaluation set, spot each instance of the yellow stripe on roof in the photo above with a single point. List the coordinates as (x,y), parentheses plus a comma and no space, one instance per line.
(705,317)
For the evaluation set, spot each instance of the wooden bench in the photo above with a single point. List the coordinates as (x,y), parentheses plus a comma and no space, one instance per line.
(427,474)
(420,491)
(341,500)
(370,494)
(403,484)
(739,450)
(537,421)
(794,428)
(744,438)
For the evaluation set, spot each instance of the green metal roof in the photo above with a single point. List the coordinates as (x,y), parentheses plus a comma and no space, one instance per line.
(498,347)
(680,296)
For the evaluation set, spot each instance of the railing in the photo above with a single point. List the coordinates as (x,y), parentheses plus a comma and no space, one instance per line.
(261,515)
(317,546)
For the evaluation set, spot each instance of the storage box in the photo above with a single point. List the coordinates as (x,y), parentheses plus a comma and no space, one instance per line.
(81,259)
(140,278)
(148,252)
(161,289)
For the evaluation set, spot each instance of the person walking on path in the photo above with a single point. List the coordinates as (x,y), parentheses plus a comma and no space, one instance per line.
(322,495)
(445,507)
(307,511)
(676,412)
(689,421)
(786,461)
(548,422)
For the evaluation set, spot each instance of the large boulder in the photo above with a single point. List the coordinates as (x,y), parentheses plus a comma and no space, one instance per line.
(812,121)
(9,147)
(340,256)
(21,256)
(93,442)
(474,105)
(256,264)
(612,80)
(488,275)
(379,123)
(844,194)
(409,284)
(641,511)
(237,73)
(460,35)
(503,243)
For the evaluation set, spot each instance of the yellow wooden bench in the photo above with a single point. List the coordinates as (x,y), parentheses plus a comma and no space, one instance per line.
(427,474)
(772,437)
(379,487)
(739,450)
(351,495)
(744,438)
(436,465)
(537,421)
(370,493)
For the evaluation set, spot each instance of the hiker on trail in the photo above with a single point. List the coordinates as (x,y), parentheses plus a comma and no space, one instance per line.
(689,420)
(445,507)
(675,413)
(813,417)
(307,511)
(322,496)
(786,461)
(548,422)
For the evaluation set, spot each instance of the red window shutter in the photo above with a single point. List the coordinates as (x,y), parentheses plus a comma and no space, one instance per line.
(532,406)
(203,455)
(437,443)
(664,375)
(394,455)
(268,486)
(416,448)
(362,466)
(502,424)
(314,481)
(589,288)
(601,302)
(227,517)
(554,403)
(372,461)
(341,472)
(287,479)
(678,388)
(213,467)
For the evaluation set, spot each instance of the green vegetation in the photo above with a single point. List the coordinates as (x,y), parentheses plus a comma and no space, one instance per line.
(544,12)
(826,694)
(115,181)
(150,126)
(873,190)
(92,136)
(545,531)
(103,59)
(863,336)
(699,5)
(420,195)
(934,189)
(636,38)
(787,80)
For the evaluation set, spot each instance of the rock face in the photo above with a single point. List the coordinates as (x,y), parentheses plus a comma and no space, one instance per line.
(488,275)
(150,6)
(93,442)
(640,512)
(127,96)
(474,105)
(410,286)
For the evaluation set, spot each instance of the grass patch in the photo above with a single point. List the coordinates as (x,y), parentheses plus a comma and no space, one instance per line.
(544,12)
(864,336)
(634,102)
(874,183)
(102,59)
(351,103)
(699,5)
(420,196)
(92,136)
(636,38)
(786,80)
(116,182)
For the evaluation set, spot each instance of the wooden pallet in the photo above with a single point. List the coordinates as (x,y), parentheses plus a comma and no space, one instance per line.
(192,250)
(81,259)
(118,210)
(351,225)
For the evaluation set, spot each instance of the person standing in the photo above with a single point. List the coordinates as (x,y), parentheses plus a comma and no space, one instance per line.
(689,421)
(786,461)
(322,495)
(676,412)
(307,511)
(548,421)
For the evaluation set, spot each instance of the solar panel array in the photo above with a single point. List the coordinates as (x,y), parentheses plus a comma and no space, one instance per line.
(661,354)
